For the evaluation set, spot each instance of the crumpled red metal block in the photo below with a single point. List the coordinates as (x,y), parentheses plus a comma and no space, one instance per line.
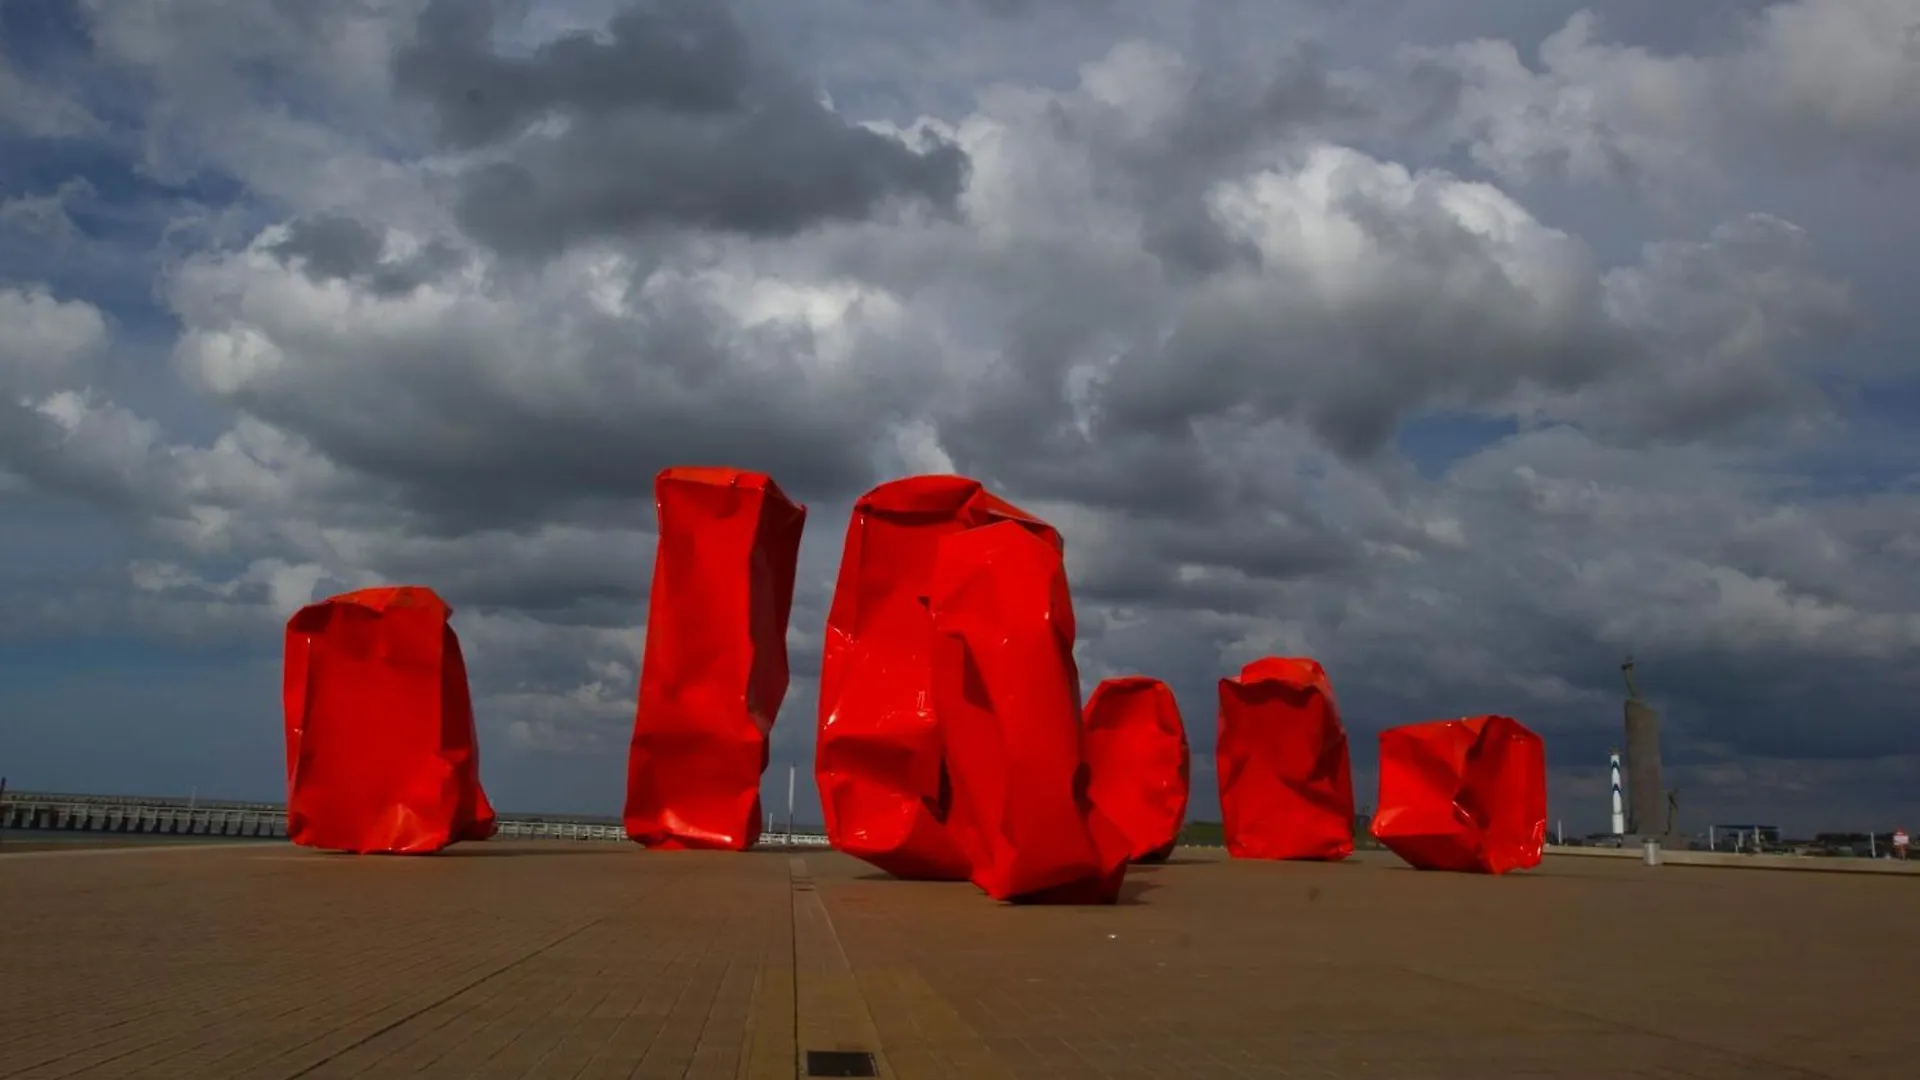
(1136,749)
(714,670)
(1286,784)
(1466,795)
(878,759)
(1007,693)
(380,744)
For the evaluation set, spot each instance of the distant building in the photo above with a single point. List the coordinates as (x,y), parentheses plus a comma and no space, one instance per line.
(1743,837)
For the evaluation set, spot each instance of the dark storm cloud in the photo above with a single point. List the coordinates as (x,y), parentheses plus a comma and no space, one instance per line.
(333,247)
(677,56)
(330,246)
(1781,704)
(771,172)
(436,424)
(1008,9)
(573,576)
(1444,323)
(462,457)
(1040,451)
(675,119)
(1658,25)
(91,460)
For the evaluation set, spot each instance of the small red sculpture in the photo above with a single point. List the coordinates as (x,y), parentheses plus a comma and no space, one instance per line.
(1466,795)
(1286,785)
(379,725)
(715,667)
(878,758)
(1008,697)
(1136,747)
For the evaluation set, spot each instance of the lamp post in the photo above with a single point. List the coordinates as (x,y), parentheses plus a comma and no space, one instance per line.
(792,771)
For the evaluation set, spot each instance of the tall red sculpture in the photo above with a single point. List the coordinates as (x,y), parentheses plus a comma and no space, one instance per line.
(1008,697)
(715,667)
(1136,749)
(1467,795)
(878,758)
(1286,785)
(380,745)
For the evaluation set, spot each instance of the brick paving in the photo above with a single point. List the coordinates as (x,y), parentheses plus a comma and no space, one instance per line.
(547,959)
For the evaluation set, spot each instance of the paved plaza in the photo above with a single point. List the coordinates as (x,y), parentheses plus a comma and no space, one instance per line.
(595,961)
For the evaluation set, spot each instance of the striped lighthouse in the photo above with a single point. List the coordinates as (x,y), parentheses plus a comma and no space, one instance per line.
(1619,808)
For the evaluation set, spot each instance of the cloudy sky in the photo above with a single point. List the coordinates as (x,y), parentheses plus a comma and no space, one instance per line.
(1466,345)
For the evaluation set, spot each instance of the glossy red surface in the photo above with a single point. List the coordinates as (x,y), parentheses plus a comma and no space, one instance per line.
(380,743)
(878,758)
(1467,795)
(1136,750)
(1286,784)
(715,666)
(1008,697)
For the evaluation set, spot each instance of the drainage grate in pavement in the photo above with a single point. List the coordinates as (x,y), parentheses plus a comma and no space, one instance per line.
(841,1063)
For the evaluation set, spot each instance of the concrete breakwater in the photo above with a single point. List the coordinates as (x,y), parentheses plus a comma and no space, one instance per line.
(43,813)
(134,815)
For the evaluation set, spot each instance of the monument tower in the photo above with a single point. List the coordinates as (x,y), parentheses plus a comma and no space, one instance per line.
(1650,810)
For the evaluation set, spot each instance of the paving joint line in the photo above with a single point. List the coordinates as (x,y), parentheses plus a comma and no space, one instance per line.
(80,851)
(432,1005)
(834,955)
(1744,1057)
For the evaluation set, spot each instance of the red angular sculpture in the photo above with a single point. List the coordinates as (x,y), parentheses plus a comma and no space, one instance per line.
(1008,697)
(1136,749)
(878,759)
(380,745)
(1466,795)
(715,667)
(1286,784)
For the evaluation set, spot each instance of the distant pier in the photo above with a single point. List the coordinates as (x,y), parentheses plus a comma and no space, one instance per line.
(156,816)
(42,812)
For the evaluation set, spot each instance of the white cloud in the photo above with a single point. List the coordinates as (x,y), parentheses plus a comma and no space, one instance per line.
(1804,78)
(45,341)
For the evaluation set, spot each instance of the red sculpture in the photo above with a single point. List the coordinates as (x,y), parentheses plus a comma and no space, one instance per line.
(1008,697)
(380,746)
(1286,785)
(1467,795)
(715,668)
(1136,747)
(878,759)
